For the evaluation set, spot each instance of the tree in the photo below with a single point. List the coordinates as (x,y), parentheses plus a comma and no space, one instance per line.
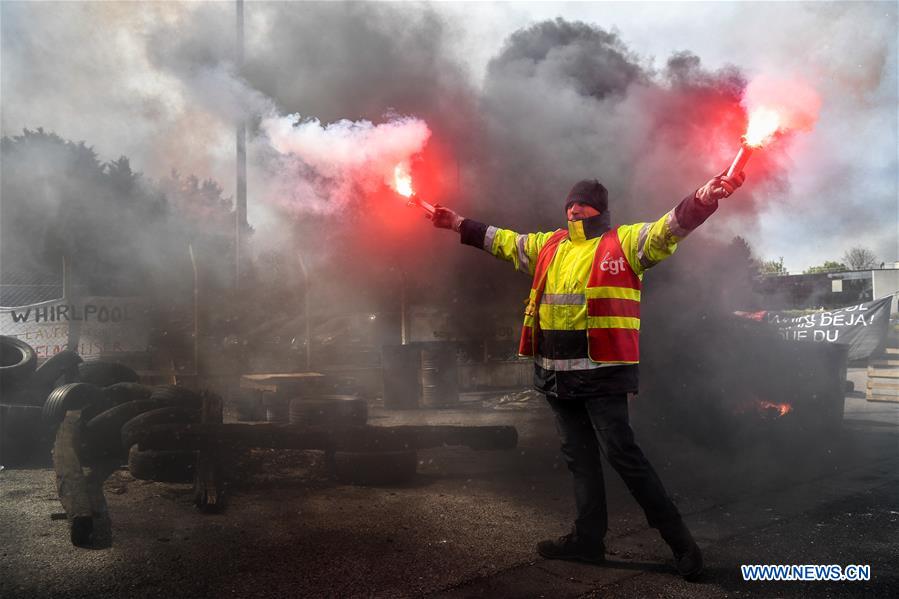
(828,266)
(773,267)
(859,258)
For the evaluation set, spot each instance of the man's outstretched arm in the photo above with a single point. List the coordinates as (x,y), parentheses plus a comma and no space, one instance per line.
(521,249)
(647,244)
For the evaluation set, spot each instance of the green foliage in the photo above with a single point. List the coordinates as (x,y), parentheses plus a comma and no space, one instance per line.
(828,266)
(773,267)
(122,233)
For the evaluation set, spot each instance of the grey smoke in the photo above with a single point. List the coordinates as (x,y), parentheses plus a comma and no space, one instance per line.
(559,100)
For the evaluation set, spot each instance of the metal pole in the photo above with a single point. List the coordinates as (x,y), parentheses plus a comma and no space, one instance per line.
(196,348)
(240,208)
(307,334)
(403,328)
(68,295)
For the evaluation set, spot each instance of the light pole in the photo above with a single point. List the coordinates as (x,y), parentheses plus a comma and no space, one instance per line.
(240,208)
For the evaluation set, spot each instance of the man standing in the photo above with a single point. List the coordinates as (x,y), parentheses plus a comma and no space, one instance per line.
(581,326)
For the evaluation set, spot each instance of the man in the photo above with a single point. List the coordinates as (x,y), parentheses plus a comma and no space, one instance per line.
(581,325)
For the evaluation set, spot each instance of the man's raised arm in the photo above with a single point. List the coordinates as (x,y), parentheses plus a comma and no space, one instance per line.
(647,244)
(519,249)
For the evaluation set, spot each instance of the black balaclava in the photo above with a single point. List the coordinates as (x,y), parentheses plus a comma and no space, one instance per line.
(591,193)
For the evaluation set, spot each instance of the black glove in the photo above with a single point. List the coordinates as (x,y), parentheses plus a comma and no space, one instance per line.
(444,218)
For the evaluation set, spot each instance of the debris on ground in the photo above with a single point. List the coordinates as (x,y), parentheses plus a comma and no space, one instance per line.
(519,400)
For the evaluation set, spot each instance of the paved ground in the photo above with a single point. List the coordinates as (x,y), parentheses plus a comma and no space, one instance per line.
(467,525)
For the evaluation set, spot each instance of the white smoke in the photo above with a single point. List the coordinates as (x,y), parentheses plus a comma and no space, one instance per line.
(321,166)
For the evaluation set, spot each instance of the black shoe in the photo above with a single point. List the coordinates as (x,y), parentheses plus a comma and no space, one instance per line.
(570,547)
(82,528)
(687,556)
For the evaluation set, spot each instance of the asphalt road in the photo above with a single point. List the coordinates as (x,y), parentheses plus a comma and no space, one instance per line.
(467,525)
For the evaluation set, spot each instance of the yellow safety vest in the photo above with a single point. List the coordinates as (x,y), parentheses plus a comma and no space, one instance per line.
(573,292)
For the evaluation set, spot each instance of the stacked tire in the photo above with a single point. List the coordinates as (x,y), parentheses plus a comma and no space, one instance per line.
(172,405)
(17,363)
(115,408)
(367,468)
(19,422)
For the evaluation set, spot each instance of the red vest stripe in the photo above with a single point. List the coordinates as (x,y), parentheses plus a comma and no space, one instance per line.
(614,345)
(613,307)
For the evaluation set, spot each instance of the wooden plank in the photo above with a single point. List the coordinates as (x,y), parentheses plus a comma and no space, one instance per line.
(882,372)
(892,350)
(883,384)
(882,393)
(884,363)
(274,383)
(883,398)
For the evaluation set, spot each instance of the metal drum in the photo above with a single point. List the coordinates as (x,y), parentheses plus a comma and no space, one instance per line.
(439,375)
(277,408)
(402,384)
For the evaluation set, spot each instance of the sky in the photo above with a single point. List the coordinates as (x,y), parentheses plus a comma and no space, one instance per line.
(154,81)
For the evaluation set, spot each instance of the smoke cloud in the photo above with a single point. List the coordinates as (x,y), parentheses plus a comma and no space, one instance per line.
(344,157)
(568,101)
(797,104)
(551,102)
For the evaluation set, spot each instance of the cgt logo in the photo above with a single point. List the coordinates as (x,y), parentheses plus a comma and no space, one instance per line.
(611,266)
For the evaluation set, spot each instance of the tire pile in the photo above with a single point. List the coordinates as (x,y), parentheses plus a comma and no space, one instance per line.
(373,468)
(114,408)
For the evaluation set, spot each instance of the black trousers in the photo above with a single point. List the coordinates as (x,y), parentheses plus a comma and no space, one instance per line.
(590,426)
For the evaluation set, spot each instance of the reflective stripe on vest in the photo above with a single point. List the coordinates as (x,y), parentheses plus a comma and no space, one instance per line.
(612,296)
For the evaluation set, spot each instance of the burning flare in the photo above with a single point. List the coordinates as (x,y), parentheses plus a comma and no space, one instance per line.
(402,180)
(763,124)
(402,184)
(774,106)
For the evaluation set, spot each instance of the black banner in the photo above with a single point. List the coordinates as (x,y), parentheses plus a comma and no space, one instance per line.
(863,327)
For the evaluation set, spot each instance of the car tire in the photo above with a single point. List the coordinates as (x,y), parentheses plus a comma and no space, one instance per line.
(120,393)
(103,432)
(104,374)
(73,396)
(176,395)
(17,363)
(170,415)
(63,365)
(168,466)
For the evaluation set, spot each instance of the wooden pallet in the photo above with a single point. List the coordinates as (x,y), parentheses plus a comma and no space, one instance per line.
(883,377)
